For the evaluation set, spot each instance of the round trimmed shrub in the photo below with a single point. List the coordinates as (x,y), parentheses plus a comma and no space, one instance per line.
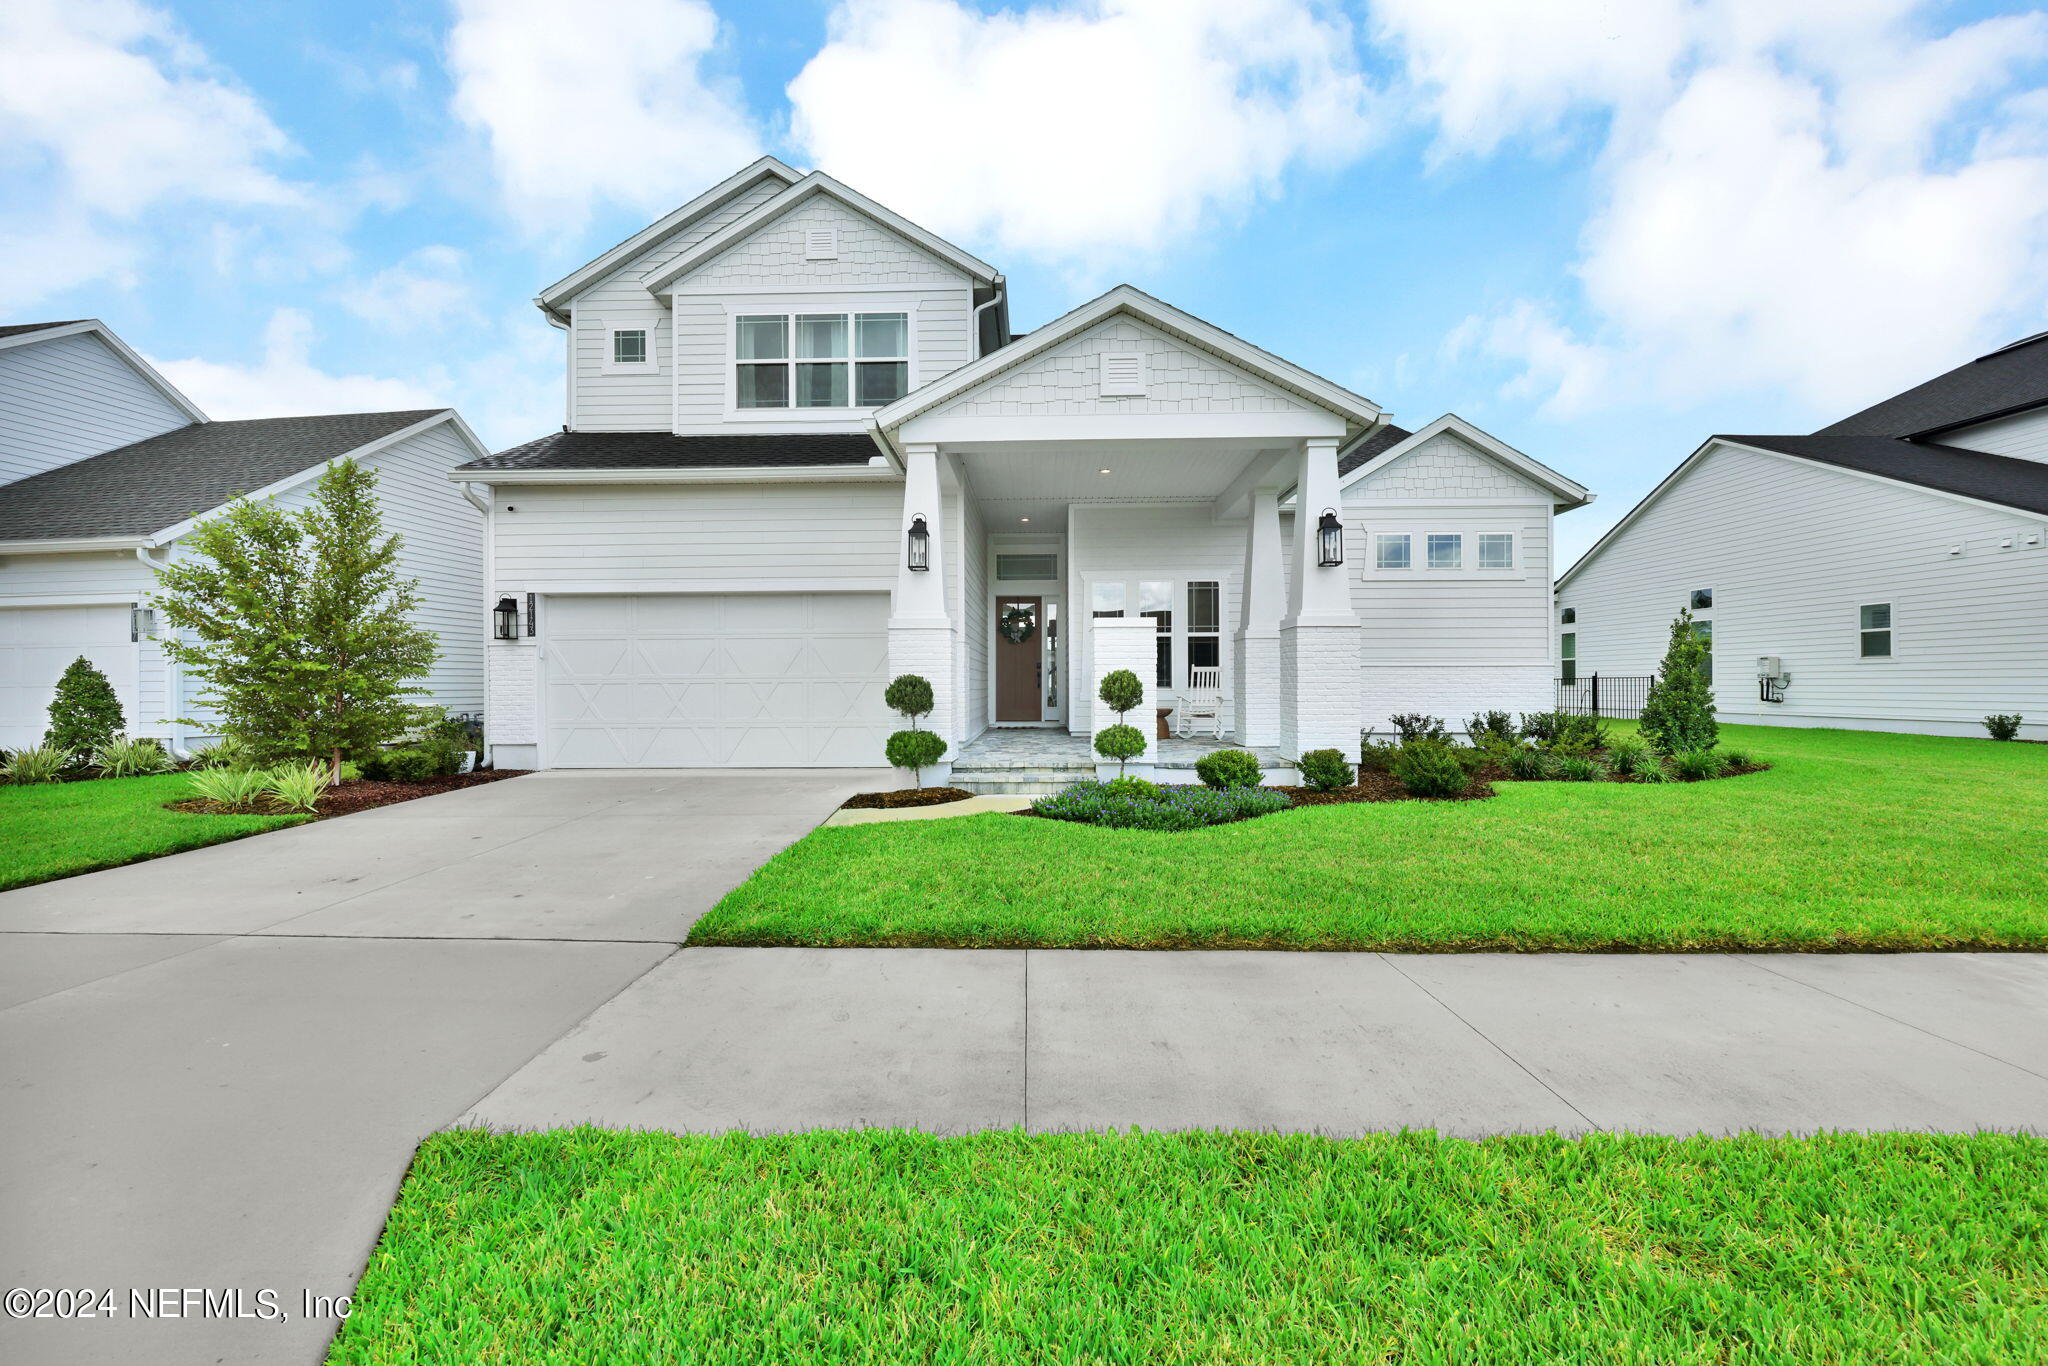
(1429,768)
(1325,770)
(915,749)
(1121,690)
(1132,787)
(909,695)
(1226,768)
(1121,743)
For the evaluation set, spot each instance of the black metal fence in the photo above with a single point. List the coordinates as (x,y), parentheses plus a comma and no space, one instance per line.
(1619,695)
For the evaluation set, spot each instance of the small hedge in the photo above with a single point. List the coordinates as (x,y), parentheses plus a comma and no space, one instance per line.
(1431,768)
(1325,770)
(1230,768)
(1177,807)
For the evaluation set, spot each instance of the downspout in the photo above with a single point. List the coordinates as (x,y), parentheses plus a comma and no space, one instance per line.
(174,677)
(994,299)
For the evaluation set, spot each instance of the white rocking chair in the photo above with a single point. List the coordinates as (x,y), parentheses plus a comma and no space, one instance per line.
(1200,710)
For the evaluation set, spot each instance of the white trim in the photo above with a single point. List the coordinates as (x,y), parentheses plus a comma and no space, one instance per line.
(943,428)
(133,598)
(1711,442)
(66,545)
(700,586)
(1138,304)
(1488,445)
(816,183)
(870,473)
(120,348)
(723,192)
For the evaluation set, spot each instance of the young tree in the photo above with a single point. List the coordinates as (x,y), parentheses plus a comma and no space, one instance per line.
(1120,692)
(298,623)
(85,715)
(1678,714)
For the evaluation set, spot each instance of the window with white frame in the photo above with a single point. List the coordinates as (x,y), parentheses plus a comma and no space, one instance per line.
(1446,550)
(1874,630)
(1568,656)
(1496,550)
(1391,550)
(1700,600)
(820,360)
(1205,626)
(1155,600)
(1106,599)
(628,347)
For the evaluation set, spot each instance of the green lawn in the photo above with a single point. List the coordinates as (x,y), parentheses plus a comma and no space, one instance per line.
(583,1246)
(1855,840)
(52,830)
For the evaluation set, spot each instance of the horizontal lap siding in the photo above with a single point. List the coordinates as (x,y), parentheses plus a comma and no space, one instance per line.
(1791,551)
(1157,542)
(72,397)
(2024,436)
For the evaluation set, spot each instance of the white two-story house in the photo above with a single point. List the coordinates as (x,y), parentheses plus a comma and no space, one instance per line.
(803,454)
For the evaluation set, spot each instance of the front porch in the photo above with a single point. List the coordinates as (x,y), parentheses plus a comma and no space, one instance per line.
(1027,761)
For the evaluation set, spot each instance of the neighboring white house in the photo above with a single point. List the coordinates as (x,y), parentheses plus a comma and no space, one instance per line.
(803,454)
(1888,572)
(104,468)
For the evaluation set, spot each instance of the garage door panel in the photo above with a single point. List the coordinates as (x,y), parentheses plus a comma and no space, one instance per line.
(745,680)
(37,644)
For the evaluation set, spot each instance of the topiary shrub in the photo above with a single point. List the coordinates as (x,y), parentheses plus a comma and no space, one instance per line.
(916,750)
(1678,713)
(1120,691)
(1410,726)
(1324,770)
(1121,743)
(910,695)
(1227,768)
(85,715)
(1428,768)
(2004,725)
(1696,765)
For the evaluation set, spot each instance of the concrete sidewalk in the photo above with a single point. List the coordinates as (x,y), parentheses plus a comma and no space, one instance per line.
(951,1041)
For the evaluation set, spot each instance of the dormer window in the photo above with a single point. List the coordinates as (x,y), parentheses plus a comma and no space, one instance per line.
(820,360)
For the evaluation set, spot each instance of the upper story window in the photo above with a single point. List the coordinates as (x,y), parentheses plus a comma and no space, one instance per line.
(1446,550)
(1568,615)
(1701,600)
(628,347)
(820,360)
(1496,550)
(1392,550)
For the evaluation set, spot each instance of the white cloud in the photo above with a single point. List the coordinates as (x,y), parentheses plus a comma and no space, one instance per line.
(1082,132)
(429,291)
(286,382)
(1792,212)
(603,102)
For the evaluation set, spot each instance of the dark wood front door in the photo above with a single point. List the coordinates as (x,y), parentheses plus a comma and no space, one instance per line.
(1020,663)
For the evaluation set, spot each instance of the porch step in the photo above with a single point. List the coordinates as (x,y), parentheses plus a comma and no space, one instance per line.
(1018,782)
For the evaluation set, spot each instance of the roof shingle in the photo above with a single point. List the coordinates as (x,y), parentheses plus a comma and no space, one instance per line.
(2004,381)
(16,329)
(1952,469)
(667,451)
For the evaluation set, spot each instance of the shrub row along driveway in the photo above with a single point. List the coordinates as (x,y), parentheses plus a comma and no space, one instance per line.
(214,1067)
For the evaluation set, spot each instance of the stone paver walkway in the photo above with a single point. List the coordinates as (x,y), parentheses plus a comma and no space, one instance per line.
(1027,747)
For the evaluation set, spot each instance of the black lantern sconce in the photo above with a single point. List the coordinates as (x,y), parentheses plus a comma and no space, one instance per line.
(920,544)
(1330,540)
(505,620)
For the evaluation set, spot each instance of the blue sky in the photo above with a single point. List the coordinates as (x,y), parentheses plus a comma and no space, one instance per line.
(1600,230)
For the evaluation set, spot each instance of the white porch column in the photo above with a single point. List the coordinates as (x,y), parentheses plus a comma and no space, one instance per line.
(920,633)
(1256,679)
(1320,688)
(1125,643)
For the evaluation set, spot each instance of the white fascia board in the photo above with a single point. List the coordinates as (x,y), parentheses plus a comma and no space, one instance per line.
(1142,306)
(551,298)
(1570,491)
(996,427)
(66,545)
(880,473)
(121,349)
(314,471)
(816,183)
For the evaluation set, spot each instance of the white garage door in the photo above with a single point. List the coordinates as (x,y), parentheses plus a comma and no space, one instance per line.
(740,680)
(38,643)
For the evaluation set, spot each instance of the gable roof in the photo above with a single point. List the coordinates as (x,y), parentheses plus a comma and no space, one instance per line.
(666,451)
(817,183)
(722,193)
(2011,379)
(30,334)
(153,485)
(1360,463)
(1127,299)
(1381,439)
(1988,478)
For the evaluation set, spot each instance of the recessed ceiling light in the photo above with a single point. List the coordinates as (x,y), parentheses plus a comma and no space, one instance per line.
(1023,519)
(1102,471)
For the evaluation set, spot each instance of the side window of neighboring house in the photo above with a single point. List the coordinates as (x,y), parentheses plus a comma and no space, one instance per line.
(1704,632)
(1568,615)
(1568,656)
(1701,600)
(1874,630)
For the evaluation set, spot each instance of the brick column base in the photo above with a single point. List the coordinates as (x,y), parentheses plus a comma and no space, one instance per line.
(1124,643)
(927,651)
(1320,706)
(1257,681)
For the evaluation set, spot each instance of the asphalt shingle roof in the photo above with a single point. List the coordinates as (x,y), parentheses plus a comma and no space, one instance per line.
(2004,381)
(141,489)
(666,451)
(1385,438)
(16,329)
(1974,474)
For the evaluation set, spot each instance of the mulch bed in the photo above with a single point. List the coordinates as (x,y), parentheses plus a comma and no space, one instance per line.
(357,794)
(909,796)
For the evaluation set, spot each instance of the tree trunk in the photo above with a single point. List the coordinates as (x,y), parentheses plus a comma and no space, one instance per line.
(334,770)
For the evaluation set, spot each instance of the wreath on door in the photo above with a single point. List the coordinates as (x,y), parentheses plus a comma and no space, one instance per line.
(1019,623)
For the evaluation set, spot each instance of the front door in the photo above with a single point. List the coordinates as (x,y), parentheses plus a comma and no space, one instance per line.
(1020,659)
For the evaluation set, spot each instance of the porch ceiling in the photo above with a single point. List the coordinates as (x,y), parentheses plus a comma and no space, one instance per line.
(1037,480)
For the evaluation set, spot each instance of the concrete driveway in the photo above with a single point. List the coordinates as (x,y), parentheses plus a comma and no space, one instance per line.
(215,1066)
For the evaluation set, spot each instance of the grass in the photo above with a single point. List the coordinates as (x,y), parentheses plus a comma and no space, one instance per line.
(1852,841)
(53,830)
(881,1246)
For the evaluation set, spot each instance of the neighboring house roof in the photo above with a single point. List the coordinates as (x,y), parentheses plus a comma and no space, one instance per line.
(666,451)
(1376,442)
(1370,455)
(2009,380)
(142,489)
(17,329)
(1951,469)
(724,191)
(814,184)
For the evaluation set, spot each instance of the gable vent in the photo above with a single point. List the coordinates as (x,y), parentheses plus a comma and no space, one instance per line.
(1123,374)
(821,244)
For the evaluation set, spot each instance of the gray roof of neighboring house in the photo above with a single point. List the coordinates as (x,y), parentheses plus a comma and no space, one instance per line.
(667,451)
(141,489)
(2011,379)
(1974,474)
(1384,438)
(16,329)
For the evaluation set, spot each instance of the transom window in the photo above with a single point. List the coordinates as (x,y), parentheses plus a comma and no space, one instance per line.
(820,360)
(1874,630)
(1392,550)
(1496,550)
(1446,550)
